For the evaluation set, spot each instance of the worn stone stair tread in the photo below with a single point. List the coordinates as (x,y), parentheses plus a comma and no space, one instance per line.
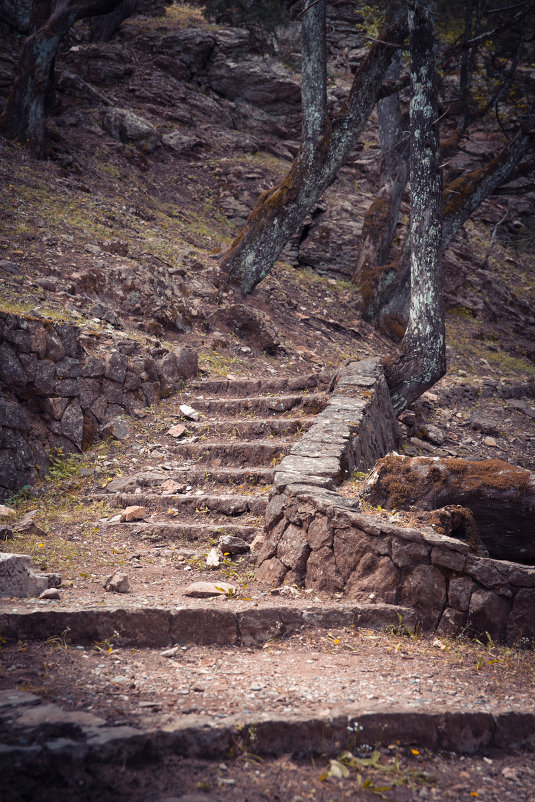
(222,623)
(253,427)
(155,530)
(296,734)
(253,450)
(311,404)
(227,503)
(273,385)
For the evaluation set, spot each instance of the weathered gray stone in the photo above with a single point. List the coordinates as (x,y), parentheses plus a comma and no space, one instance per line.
(275,510)
(115,367)
(487,614)
(406,553)
(272,572)
(233,545)
(128,127)
(118,428)
(206,590)
(293,549)
(424,588)
(521,620)
(459,592)
(318,534)
(44,381)
(18,578)
(349,546)
(11,371)
(12,415)
(72,424)
(451,623)
(322,572)
(376,577)
(448,559)
(55,349)
(55,407)
(117,583)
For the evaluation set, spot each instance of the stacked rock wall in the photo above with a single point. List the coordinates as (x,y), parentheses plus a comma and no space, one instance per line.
(56,394)
(318,538)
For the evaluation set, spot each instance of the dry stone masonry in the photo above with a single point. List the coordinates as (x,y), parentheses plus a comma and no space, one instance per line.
(316,537)
(57,394)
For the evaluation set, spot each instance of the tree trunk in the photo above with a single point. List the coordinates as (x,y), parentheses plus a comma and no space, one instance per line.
(381,218)
(24,116)
(326,146)
(422,358)
(461,198)
(106,26)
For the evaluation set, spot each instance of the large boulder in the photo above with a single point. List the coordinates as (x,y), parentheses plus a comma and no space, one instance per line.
(128,127)
(499,496)
(17,577)
(250,324)
(257,81)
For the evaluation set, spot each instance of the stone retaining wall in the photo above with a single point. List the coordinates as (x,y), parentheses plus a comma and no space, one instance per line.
(316,537)
(56,393)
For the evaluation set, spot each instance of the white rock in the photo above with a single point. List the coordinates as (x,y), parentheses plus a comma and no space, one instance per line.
(188,412)
(170,652)
(213,558)
(6,512)
(204,590)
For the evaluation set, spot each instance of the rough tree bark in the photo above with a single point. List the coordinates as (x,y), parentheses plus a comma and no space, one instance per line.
(326,146)
(422,356)
(381,218)
(24,116)
(461,198)
(17,14)
(107,25)
(385,287)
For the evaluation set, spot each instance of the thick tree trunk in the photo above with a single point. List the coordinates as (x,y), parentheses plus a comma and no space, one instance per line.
(106,26)
(422,358)
(24,116)
(281,211)
(381,218)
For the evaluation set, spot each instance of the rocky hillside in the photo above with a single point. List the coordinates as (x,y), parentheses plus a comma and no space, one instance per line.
(163,139)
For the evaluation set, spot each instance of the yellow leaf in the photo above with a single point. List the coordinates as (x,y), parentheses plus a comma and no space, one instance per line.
(415,752)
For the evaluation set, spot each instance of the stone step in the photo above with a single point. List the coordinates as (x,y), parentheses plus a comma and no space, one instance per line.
(155,531)
(300,735)
(262,404)
(252,427)
(245,387)
(205,624)
(223,503)
(209,475)
(238,453)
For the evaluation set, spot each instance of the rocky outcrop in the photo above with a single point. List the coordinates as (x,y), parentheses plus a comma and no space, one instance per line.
(128,127)
(54,394)
(500,496)
(318,538)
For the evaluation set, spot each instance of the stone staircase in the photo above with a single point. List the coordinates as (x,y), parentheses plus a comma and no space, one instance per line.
(222,470)
(223,463)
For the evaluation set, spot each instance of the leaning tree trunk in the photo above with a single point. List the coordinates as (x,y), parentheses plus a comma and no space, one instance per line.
(325,147)
(24,116)
(106,26)
(422,358)
(381,218)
